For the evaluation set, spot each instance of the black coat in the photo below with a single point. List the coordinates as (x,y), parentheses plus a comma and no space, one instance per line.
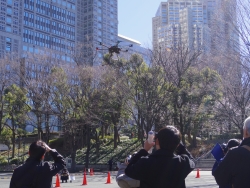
(41,172)
(235,167)
(162,169)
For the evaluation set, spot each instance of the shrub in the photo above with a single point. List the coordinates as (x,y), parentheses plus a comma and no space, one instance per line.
(56,143)
(3,161)
(15,161)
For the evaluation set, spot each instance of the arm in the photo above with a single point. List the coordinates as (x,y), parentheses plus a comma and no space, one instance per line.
(186,158)
(181,149)
(223,172)
(58,164)
(138,166)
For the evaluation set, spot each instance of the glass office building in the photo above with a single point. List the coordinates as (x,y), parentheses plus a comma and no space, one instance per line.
(60,25)
(188,22)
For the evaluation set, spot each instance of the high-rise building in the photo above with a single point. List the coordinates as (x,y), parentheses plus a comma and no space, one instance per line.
(187,22)
(100,24)
(60,25)
(180,22)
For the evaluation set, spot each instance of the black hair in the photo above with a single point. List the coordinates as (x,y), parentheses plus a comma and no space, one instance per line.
(169,138)
(37,150)
(232,143)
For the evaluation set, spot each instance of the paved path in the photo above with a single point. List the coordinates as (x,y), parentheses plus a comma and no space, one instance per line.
(99,179)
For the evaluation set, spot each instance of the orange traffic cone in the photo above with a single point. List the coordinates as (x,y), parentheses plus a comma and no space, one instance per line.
(108,178)
(84,182)
(57,181)
(198,173)
(91,172)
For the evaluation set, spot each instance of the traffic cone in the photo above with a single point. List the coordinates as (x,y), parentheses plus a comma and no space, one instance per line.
(57,181)
(84,182)
(198,173)
(91,172)
(108,178)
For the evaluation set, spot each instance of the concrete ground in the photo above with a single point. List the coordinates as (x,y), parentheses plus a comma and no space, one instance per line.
(100,179)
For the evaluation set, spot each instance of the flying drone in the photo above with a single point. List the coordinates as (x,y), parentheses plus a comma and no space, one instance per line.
(115,49)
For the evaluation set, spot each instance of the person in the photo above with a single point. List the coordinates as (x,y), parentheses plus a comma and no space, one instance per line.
(122,180)
(110,162)
(230,144)
(35,172)
(64,175)
(234,169)
(162,168)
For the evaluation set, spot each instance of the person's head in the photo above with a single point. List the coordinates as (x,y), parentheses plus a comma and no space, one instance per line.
(168,138)
(246,128)
(37,150)
(232,143)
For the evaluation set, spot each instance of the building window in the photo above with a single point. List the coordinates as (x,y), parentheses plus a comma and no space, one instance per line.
(8,39)
(8,47)
(9,10)
(9,20)
(8,29)
(9,2)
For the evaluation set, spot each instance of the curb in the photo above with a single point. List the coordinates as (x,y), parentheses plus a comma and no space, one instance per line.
(5,177)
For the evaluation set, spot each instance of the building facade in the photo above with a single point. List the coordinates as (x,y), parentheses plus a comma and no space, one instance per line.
(187,22)
(99,21)
(60,25)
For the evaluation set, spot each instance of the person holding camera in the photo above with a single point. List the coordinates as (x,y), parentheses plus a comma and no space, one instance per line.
(35,173)
(162,168)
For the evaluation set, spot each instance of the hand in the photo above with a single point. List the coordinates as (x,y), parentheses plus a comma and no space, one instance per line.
(47,147)
(148,146)
(126,161)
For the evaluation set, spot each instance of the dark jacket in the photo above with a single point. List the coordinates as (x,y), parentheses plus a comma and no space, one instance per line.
(216,164)
(161,169)
(234,169)
(37,172)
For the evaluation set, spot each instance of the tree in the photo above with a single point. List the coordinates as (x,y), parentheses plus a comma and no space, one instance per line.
(16,110)
(148,92)
(8,76)
(36,78)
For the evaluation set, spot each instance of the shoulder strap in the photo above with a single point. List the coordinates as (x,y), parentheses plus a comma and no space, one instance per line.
(246,147)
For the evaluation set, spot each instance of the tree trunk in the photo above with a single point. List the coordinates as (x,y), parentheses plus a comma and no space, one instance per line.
(39,127)
(189,135)
(88,148)
(13,144)
(115,136)
(194,142)
(47,128)
(73,159)
(106,129)
(97,144)
(1,119)
(103,131)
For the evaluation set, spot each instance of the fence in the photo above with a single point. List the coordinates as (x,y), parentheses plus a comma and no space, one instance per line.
(206,164)
(96,167)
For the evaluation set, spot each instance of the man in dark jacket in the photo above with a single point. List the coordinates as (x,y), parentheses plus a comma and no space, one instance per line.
(35,173)
(230,144)
(235,167)
(162,168)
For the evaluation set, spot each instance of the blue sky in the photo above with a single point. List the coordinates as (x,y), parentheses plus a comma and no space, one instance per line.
(135,19)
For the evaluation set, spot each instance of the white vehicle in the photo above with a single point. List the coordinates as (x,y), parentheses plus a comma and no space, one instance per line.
(3,147)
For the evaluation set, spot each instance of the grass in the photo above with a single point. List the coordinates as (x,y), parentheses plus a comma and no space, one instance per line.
(125,148)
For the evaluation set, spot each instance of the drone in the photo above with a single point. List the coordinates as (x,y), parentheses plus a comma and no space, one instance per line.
(115,49)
